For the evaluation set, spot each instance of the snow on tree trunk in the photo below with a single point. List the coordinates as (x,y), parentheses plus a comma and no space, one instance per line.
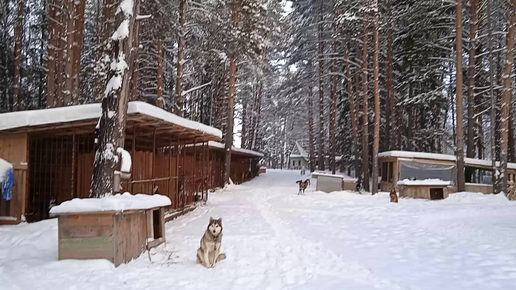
(376,105)
(18,39)
(506,102)
(365,123)
(352,112)
(180,59)
(460,125)
(110,131)
(321,151)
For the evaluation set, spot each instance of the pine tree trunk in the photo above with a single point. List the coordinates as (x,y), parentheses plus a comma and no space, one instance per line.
(333,110)
(352,112)
(70,33)
(506,101)
(18,40)
(460,125)
(365,136)
(231,100)
(255,144)
(391,115)
(376,106)
(160,102)
(60,54)
(321,151)
(105,27)
(243,139)
(310,110)
(136,63)
(470,149)
(110,133)
(180,59)
(78,43)
(52,53)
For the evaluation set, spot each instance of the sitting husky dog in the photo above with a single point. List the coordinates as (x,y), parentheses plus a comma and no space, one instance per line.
(303,185)
(208,253)
(393,195)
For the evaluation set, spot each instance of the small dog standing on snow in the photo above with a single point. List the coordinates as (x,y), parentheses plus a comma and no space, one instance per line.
(208,253)
(393,195)
(303,185)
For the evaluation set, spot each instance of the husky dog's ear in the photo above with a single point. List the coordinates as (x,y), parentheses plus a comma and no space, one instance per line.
(220,220)
(299,181)
(211,219)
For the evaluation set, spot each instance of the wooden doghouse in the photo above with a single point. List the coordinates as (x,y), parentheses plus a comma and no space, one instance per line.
(424,189)
(52,152)
(115,236)
(328,182)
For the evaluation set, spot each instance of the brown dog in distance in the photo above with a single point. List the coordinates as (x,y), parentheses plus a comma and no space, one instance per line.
(393,195)
(303,185)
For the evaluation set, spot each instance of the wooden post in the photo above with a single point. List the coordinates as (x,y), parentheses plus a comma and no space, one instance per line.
(153,158)
(183,151)
(133,156)
(74,172)
(169,186)
(195,167)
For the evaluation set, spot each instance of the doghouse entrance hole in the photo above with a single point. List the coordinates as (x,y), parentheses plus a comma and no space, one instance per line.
(156,224)
(436,193)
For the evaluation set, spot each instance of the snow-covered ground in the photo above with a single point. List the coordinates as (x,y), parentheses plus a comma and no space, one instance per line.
(275,239)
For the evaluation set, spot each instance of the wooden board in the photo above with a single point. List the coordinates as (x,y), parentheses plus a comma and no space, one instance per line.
(13,148)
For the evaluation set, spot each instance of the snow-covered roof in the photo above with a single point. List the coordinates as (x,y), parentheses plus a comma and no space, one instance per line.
(218,145)
(118,202)
(446,157)
(437,182)
(68,114)
(299,151)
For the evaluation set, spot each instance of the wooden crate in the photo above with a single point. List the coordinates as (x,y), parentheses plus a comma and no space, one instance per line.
(424,191)
(115,236)
(262,170)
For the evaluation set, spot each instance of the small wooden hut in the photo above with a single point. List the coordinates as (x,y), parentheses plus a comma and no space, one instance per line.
(52,152)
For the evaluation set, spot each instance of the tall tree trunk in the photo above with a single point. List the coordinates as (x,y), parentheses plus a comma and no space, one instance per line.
(321,151)
(160,102)
(231,99)
(106,28)
(507,101)
(258,105)
(333,109)
(365,136)
(70,31)
(78,42)
(391,115)
(470,149)
(111,130)
(352,112)
(18,40)
(52,53)
(136,47)
(376,106)
(60,54)
(460,125)
(310,110)
(243,139)
(180,58)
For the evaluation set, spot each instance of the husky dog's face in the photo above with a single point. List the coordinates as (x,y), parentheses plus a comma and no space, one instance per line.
(215,226)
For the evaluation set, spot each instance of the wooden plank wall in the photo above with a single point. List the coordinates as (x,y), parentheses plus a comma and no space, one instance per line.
(86,236)
(12,210)
(131,236)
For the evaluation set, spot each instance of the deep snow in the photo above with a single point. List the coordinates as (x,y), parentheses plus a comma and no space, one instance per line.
(275,239)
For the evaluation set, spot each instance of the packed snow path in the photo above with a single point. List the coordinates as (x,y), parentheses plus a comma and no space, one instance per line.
(275,239)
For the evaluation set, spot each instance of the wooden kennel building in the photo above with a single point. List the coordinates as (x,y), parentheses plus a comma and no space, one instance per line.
(400,165)
(52,152)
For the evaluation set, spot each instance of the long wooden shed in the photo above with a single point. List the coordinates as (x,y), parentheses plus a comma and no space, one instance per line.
(400,165)
(52,152)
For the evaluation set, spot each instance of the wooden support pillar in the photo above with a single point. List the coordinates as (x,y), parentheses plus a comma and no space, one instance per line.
(74,163)
(153,159)
(169,185)
(183,181)
(195,168)
(132,157)
(177,171)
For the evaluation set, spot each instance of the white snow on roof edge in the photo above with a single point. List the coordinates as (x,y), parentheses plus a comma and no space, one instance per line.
(67,114)
(219,145)
(118,202)
(437,182)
